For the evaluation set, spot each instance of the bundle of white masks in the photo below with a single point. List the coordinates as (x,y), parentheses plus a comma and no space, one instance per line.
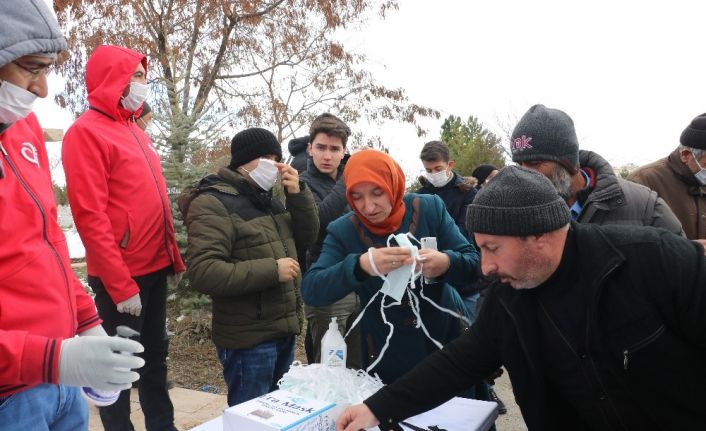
(339,385)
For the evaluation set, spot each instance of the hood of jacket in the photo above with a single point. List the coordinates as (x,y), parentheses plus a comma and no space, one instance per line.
(298,145)
(108,72)
(607,184)
(29,27)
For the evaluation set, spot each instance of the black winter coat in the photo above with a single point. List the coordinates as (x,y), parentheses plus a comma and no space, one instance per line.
(645,332)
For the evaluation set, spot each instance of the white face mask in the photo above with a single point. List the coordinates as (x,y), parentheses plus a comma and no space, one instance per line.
(396,281)
(136,97)
(438,179)
(15,102)
(701,175)
(265,174)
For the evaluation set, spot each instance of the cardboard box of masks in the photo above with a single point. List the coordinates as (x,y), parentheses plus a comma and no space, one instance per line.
(280,411)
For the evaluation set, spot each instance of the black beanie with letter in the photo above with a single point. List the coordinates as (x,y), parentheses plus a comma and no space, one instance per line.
(546,134)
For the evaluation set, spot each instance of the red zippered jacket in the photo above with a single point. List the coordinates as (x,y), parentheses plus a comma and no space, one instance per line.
(41,301)
(114,182)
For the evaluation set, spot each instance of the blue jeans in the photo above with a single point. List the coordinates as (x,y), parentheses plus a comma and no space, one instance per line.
(249,373)
(43,408)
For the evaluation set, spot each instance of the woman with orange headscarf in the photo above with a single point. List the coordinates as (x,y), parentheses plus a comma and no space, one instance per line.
(356,254)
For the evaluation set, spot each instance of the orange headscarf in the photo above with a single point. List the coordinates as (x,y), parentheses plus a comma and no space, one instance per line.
(376,167)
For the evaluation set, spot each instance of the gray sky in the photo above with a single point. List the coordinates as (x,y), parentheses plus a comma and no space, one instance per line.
(627,72)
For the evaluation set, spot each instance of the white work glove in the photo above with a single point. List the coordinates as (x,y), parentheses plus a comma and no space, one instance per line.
(132,305)
(99,362)
(94,331)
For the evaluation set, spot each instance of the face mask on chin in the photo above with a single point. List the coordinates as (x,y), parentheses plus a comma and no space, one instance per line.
(438,179)
(264,174)
(15,102)
(136,97)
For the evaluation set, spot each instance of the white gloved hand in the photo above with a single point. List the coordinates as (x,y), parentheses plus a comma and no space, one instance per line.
(94,331)
(132,305)
(98,362)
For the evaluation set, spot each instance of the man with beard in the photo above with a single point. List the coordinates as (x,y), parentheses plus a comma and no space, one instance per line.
(599,327)
(545,140)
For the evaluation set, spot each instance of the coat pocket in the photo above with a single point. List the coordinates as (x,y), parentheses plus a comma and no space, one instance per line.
(641,344)
(123,230)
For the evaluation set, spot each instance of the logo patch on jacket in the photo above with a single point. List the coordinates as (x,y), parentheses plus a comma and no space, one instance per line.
(29,152)
(522,143)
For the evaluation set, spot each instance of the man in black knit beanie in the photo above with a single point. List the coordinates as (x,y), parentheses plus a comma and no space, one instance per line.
(599,327)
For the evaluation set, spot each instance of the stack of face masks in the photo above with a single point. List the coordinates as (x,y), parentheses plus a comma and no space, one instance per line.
(396,284)
(339,385)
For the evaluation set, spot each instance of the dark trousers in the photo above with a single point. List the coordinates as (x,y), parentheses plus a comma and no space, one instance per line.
(151,324)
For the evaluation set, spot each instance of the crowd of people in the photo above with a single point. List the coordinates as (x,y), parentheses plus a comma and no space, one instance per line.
(589,289)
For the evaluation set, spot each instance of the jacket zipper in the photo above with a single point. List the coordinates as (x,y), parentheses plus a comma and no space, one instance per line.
(640,344)
(159,192)
(588,338)
(44,224)
(286,251)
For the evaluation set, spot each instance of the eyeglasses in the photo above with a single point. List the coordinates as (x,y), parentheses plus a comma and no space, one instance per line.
(35,71)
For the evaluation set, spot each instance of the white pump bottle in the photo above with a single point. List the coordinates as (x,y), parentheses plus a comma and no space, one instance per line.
(333,347)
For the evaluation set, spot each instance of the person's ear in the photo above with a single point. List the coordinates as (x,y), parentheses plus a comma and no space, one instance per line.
(451,164)
(684,155)
(308,148)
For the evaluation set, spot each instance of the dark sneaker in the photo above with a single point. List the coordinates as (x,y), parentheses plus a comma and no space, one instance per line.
(494,397)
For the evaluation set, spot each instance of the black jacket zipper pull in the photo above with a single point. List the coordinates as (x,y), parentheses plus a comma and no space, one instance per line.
(625,359)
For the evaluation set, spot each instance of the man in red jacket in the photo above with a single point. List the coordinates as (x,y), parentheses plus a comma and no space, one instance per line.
(120,206)
(42,304)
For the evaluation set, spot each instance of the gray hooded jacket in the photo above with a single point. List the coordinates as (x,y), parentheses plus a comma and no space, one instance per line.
(28,27)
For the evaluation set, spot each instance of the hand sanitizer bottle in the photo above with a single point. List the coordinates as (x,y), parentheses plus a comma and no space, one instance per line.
(333,347)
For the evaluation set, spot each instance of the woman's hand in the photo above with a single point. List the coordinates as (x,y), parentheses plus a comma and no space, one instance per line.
(435,263)
(386,259)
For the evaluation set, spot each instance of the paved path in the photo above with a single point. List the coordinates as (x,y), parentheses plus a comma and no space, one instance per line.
(191,408)
(512,421)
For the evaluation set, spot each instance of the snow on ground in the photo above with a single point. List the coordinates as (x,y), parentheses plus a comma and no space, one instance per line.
(76,248)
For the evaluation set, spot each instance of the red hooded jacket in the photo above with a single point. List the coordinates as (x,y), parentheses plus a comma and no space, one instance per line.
(114,182)
(41,301)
